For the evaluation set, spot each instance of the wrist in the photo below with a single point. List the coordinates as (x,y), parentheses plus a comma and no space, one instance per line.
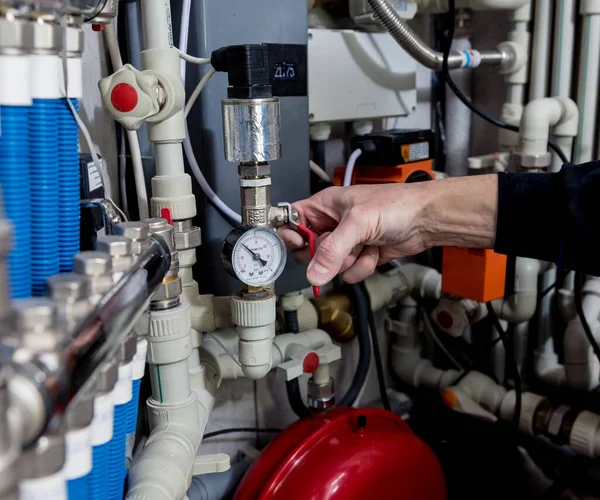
(459,212)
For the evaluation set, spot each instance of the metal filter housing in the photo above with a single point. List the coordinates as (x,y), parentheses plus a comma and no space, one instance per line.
(251,130)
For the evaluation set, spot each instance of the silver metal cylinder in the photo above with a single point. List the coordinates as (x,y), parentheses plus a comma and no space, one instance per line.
(251,130)
(9,444)
(16,36)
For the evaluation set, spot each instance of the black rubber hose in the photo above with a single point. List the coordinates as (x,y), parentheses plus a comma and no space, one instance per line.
(291,321)
(361,325)
(292,386)
(318,153)
(377,352)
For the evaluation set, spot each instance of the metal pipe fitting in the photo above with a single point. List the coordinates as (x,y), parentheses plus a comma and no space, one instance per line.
(16,36)
(96,267)
(45,460)
(419,50)
(47,384)
(137,232)
(187,236)
(69,292)
(10,445)
(119,249)
(168,293)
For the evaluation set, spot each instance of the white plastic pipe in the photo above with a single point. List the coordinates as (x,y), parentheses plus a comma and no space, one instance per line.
(581,364)
(521,306)
(540,52)
(169,159)
(541,115)
(156,18)
(434,6)
(587,91)
(562,65)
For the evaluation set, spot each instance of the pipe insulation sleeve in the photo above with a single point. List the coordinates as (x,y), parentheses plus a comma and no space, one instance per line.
(102,432)
(16,194)
(116,454)
(44,165)
(68,185)
(587,96)
(78,462)
(98,478)
(458,118)
(122,395)
(53,486)
(419,50)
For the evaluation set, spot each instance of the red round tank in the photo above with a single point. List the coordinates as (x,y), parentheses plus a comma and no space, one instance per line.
(345,454)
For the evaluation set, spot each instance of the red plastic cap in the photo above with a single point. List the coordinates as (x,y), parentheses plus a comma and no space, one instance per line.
(97,27)
(124,97)
(444,319)
(311,362)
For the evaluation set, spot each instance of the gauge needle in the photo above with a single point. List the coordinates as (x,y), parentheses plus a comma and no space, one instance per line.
(256,256)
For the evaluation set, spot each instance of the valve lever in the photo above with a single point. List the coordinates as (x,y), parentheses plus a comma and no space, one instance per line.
(303,231)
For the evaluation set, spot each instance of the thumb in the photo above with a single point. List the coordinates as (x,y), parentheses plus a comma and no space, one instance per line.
(331,253)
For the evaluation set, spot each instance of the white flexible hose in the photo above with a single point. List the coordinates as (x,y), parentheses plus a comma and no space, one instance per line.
(192,59)
(110,35)
(350,167)
(187,145)
(319,172)
(184,31)
(210,194)
(201,84)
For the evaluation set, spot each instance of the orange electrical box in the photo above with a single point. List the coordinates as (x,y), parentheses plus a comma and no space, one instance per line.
(473,273)
(420,170)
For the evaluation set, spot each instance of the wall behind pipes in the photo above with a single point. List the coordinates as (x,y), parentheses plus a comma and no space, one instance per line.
(99,122)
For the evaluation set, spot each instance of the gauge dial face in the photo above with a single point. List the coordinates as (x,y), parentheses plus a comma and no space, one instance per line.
(258,257)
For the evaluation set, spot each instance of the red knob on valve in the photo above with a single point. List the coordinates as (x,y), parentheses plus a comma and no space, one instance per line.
(311,362)
(124,97)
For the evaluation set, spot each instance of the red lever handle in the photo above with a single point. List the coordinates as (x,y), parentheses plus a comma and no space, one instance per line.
(309,237)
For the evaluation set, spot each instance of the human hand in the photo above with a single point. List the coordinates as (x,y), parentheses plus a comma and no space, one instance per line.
(357,229)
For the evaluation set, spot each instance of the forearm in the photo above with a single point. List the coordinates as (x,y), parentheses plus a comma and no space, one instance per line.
(460,212)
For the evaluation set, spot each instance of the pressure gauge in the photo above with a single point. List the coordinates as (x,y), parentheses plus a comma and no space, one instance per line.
(254,255)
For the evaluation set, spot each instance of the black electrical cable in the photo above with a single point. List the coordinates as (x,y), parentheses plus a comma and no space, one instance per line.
(268,430)
(548,290)
(361,325)
(506,341)
(579,307)
(471,365)
(464,99)
(385,400)
(293,386)
(97,13)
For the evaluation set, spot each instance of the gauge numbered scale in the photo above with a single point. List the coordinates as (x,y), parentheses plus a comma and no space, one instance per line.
(254,255)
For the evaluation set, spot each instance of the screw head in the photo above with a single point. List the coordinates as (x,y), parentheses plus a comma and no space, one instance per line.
(92,263)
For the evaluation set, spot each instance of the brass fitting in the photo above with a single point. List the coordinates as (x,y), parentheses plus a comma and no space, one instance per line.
(335,316)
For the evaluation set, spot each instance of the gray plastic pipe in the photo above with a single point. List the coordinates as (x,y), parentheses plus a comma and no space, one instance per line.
(220,485)
(419,50)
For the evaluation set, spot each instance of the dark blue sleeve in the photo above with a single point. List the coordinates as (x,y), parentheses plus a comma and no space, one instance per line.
(552,216)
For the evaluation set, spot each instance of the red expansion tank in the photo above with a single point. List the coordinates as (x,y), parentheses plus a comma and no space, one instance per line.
(345,454)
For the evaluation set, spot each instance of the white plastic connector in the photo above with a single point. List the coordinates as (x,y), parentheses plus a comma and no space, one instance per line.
(175,193)
(585,434)
(255,327)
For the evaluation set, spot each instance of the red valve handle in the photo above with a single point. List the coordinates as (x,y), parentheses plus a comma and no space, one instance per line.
(309,237)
